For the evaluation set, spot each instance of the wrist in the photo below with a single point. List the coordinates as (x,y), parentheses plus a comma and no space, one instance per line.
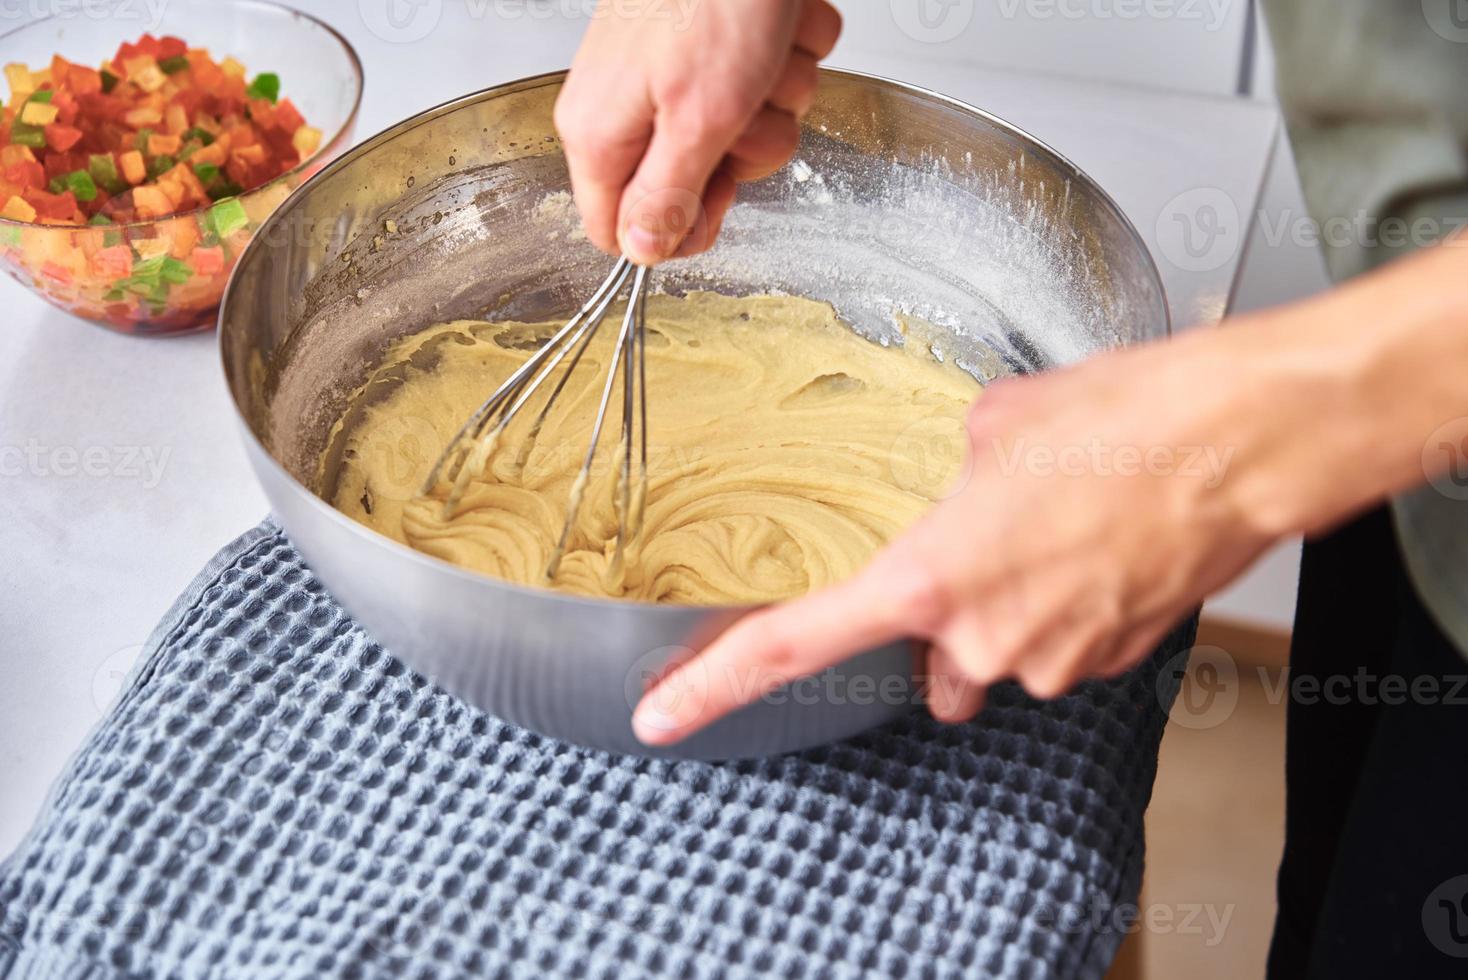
(1338,395)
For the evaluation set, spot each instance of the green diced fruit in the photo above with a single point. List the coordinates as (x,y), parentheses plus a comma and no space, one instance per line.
(80,183)
(265,86)
(228,217)
(24,134)
(202,135)
(206,172)
(109,81)
(104,172)
(175,272)
(174,65)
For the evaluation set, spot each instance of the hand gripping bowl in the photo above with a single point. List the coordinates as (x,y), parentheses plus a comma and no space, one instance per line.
(916,216)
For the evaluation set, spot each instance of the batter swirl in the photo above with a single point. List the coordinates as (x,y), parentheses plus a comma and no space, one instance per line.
(784,450)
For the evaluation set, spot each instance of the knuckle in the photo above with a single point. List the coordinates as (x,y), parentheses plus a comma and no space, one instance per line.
(773,651)
(706,115)
(918,598)
(569,118)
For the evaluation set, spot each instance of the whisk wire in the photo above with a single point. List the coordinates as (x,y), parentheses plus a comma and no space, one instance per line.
(578,488)
(469,451)
(589,316)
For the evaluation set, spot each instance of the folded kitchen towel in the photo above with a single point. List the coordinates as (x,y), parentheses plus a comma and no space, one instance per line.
(273,796)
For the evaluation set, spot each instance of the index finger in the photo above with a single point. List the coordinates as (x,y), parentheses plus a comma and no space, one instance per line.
(775,646)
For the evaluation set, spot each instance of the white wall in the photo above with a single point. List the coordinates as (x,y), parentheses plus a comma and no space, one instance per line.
(1186,45)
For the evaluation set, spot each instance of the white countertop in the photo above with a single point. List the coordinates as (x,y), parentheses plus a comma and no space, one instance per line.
(119,470)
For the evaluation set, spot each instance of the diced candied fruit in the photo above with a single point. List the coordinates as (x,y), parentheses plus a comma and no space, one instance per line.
(208,261)
(62,138)
(157,129)
(152,202)
(18,209)
(306,141)
(134,170)
(38,114)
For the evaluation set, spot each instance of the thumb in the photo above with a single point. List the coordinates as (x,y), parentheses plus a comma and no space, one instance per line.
(662,209)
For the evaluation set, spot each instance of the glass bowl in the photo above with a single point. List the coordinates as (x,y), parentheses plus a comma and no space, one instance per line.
(166,275)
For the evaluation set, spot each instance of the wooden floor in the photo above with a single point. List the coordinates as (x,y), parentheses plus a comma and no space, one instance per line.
(1215,826)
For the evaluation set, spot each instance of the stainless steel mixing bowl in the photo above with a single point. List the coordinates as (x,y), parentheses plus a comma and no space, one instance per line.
(915,215)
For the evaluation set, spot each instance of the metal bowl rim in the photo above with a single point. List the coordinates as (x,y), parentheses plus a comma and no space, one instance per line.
(478,579)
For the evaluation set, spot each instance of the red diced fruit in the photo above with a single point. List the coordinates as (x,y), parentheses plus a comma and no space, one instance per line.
(26,173)
(57,273)
(62,138)
(115,262)
(208,261)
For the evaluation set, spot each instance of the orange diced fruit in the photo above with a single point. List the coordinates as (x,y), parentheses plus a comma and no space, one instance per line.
(18,209)
(151,202)
(185,237)
(38,114)
(143,116)
(232,68)
(213,153)
(307,140)
(160,144)
(84,80)
(20,80)
(176,119)
(134,171)
(13,153)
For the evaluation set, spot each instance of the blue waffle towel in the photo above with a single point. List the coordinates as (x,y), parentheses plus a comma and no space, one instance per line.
(273,796)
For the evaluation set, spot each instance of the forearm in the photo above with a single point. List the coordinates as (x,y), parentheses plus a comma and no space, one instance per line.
(1347,390)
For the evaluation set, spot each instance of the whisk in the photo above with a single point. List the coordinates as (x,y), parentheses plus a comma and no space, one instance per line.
(469,451)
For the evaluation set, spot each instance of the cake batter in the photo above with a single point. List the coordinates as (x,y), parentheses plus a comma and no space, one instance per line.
(783,451)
